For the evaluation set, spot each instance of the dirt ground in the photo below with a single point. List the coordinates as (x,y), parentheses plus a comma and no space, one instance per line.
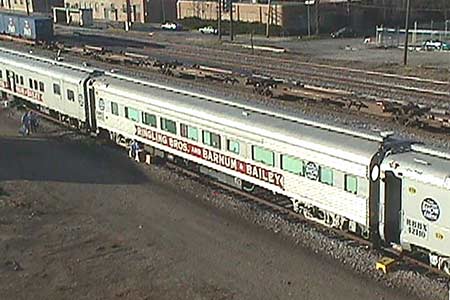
(79,220)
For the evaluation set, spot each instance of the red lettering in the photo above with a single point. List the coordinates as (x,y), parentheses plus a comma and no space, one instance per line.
(212,156)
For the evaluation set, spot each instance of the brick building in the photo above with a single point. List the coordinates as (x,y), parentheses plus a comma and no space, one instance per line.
(34,6)
(142,11)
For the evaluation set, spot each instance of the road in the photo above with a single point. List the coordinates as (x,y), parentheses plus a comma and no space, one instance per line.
(80,220)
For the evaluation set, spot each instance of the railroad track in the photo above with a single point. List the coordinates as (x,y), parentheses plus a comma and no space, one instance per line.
(437,93)
(282,207)
(276,204)
(289,67)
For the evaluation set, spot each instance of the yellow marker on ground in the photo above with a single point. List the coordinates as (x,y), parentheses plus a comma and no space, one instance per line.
(385,264)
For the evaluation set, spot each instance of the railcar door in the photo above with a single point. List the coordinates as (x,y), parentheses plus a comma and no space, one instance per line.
(10,77)
(93,120)
(393,207)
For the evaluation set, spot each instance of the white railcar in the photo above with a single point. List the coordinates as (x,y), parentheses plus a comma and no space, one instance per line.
(50,86)
(415,206)
(324,172)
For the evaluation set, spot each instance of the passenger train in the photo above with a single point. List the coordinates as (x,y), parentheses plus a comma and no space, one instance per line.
(387,190)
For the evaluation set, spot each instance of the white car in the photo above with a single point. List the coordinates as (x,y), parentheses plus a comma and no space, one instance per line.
(208,30)
(170,26)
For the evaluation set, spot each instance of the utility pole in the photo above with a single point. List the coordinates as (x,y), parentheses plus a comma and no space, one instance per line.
(408,11)
(231,21)
(27,6)
(128,21)
(308,4)
(269,10)
(219,19)
(317,16)
(163,11)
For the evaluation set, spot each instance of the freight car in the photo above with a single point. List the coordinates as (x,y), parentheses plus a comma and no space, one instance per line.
(36,28)
(386,190)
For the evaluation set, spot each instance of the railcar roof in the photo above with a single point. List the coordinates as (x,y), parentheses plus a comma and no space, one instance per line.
(280,127)
(422,167)
(66,72)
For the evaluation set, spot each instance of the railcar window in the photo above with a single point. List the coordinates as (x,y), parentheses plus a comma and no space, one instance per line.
(30,82)
(351,184)
(1,74)
(168,125)
(21,80)
(149,119)
(17,79)
(293,165)
(41,86)
(56,89)
(114,108)
(70,95)
(233,146)
(189,132)
(35,85)
(326,175)
(263,155)
(211,139)
(132,114)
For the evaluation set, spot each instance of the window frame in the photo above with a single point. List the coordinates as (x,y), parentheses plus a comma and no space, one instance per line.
(301,161)
(235,142)
(144,119)
(321,171)
(114,108)
(272,164)
(211,136)
(56,91)
(70,94)
(346,181)
(135,112)
(164,126)
(41,87)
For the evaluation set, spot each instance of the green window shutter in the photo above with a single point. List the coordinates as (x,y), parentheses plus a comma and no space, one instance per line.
(192,133)
(132,114)
(206,138)
(233,146)
(292,164)
(351,184)
(263,155)
(326,175)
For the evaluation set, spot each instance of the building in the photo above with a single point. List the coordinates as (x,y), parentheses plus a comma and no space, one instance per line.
(142,11)
(286,15)
(292,16)
(30,6)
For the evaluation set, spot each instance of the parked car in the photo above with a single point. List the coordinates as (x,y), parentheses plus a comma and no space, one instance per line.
(435,45)
(208,30)
(343,33)
(171,26)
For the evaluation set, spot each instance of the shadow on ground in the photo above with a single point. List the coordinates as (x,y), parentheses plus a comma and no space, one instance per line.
(39,159)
